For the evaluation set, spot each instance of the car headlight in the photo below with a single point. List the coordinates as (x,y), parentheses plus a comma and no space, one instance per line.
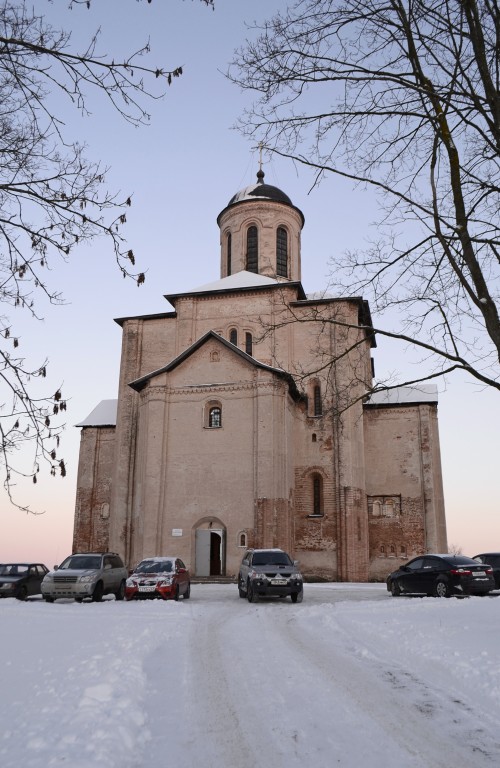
(87,579)
(48,577)
(131,583)
(257,575)
(297,576)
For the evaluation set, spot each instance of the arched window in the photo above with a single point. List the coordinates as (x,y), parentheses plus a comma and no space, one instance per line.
(318,406)
(215,417)
(252,249)
(317,495)
(281,252)
(389,508)
(228,252)
(233,336)
(248,343)
(242,539)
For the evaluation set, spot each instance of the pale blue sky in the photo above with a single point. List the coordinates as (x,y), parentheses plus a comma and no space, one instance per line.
(182,171)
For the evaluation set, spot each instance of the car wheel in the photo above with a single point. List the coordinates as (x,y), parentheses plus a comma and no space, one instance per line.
(441,589)
(49,599)
(241,591)
(297,597)
(251,596)
(22,593)
(98,592)
(176,595)
(120,593)
(187,593)
(395,589)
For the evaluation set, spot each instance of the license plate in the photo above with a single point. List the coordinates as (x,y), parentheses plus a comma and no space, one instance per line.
(479,573)
(279,582)
(147,589)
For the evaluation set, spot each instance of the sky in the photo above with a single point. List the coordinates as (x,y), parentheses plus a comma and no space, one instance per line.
(182,170)
(350,677)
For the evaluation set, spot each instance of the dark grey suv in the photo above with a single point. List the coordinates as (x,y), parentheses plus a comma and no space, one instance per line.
(269,572)
(89,574)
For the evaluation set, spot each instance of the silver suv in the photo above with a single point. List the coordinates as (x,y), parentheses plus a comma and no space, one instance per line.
(90,574)
(268,572)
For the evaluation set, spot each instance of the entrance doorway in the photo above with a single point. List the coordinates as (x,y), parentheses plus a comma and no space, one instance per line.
(210,552)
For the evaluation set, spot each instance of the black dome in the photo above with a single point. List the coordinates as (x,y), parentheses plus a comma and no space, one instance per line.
(258,190)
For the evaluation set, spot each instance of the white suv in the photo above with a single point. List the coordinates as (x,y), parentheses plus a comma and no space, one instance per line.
(269,572)
(90,574)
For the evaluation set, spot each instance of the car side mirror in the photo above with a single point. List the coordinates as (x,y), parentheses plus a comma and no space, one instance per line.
(296,563)
(56,567)
(107,567)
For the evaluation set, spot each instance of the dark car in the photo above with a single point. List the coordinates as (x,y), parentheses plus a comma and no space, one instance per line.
(441,576)
(269,573)
(21,580)
(493,559)
(164,577)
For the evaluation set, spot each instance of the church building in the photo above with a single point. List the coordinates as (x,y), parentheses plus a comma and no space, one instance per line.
(243,420)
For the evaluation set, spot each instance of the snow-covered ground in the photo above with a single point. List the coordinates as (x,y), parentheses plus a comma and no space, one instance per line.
(351,677)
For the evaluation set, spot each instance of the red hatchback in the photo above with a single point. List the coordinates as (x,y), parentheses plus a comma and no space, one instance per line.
(165,577)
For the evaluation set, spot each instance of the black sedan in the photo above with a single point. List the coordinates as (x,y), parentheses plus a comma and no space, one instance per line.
(493,559)
(441,576)
(21,580)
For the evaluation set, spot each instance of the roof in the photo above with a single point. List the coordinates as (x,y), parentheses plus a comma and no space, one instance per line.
(156,316)
(140,383)
(239,281)
(423,393)
(103,415)
(260,191)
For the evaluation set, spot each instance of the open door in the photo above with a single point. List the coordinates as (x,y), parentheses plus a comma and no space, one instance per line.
(209,552)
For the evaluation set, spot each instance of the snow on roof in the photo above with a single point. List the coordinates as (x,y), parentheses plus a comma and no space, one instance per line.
(241,279)
(103,415)
(423,393)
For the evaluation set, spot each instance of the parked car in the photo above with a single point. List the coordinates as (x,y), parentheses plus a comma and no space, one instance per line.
(21,580)
(86,574)
(269,572)
(493,559)
(159,577)
(441,576)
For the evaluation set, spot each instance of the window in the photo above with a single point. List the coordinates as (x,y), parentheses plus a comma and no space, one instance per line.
(228,252)
(233,336)
(215,417)
(282,252)
(252,249)
(212,414)
(317,496)
(242,539)
(318,409)
(248,343)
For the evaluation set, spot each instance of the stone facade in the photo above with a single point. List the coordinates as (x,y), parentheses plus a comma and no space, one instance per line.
(242,421)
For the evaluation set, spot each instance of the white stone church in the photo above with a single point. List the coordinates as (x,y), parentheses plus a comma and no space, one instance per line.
(242,421)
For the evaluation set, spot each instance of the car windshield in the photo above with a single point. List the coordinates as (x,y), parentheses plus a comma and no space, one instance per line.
(81,563)
(13,569)
(271,558)
(155,566)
